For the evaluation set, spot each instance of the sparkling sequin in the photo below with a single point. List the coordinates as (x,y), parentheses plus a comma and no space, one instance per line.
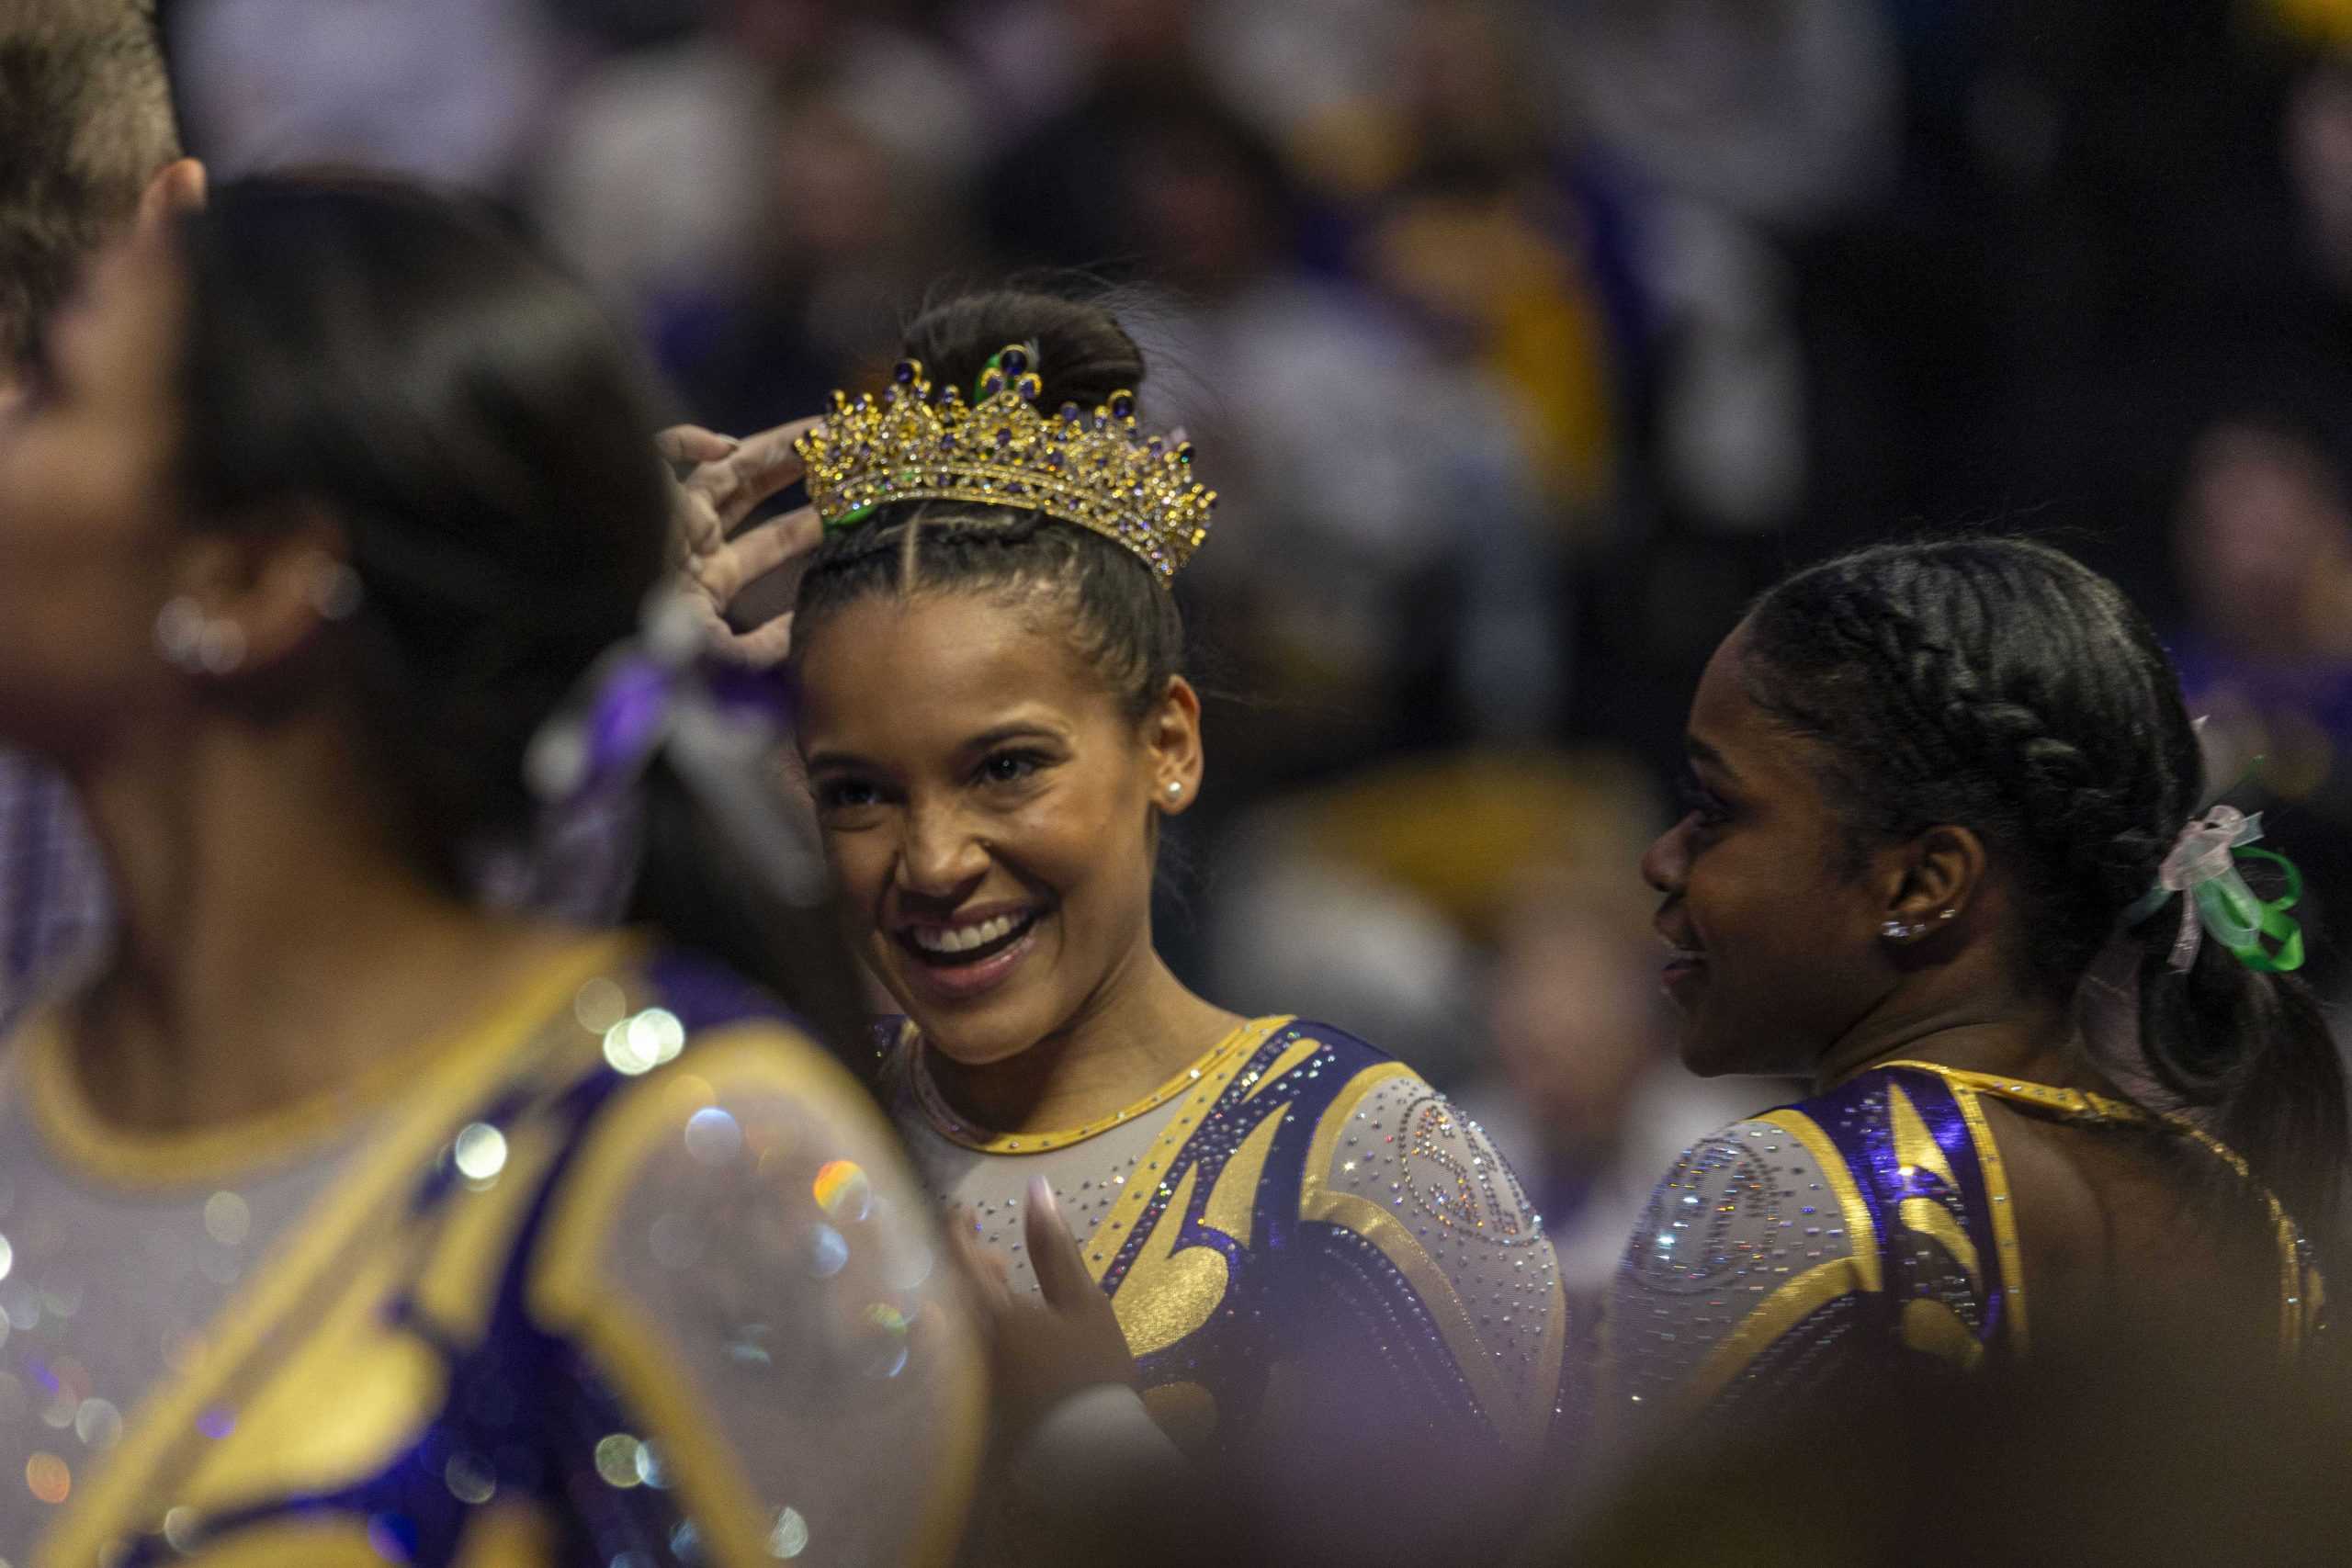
(843,1190)
(227,1219)
(181,1526)
(97,1422)
(470,1479)
(616,1459)
(480,1152)
(49,1478)
(789,1539)
(712,1136)
(599,1004)
(829,1251)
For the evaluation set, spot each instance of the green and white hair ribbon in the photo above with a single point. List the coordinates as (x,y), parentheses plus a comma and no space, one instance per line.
(2202,870)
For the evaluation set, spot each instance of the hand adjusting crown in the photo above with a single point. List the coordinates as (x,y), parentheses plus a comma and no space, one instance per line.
(1097,470)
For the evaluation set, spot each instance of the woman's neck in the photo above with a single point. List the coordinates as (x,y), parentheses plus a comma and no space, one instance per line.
(274,946)
(1143,1027)
(2032,1040)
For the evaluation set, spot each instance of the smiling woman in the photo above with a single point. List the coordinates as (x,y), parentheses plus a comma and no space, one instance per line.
(1949,852)
(1297,1234)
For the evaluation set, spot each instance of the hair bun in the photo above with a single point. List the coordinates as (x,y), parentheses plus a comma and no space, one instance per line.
(1080,349)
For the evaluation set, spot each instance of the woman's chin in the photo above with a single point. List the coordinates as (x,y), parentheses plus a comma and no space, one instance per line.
(969,1036)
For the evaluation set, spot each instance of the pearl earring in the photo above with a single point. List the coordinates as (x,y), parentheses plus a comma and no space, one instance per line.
(1175,789)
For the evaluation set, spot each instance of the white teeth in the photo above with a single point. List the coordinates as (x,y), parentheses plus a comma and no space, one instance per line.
(961,939)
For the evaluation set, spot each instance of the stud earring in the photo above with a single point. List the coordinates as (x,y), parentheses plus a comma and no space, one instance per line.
(1175,790)
(1897,931)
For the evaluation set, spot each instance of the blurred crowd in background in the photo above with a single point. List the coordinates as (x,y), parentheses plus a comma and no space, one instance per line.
(1526,339)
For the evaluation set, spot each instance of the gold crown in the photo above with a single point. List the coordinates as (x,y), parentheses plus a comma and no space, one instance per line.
(1095,469)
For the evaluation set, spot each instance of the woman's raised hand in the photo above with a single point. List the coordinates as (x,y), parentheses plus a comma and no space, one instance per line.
(1042,1349)
(720,481)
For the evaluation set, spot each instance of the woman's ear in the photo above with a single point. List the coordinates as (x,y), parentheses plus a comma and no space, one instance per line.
(1932,879)
(178,186)
(274,587)
(1171,737)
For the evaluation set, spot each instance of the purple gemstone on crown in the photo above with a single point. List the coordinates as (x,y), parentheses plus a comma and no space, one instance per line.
(903,373)
(1004,435)
(1123,407)
(1014,361)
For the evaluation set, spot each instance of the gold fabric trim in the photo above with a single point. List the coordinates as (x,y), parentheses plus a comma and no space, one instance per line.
(1930,1218)
(1520,1415)
(1861,1232)
(1281,1065)
(118,1158)
(309,1269)
(1786,1307)
(1935,1328)
(1966,1087)
(1169,1291)
(1233,1202)
(1110,1234)
(1244,1039)
(312,1542)
(1915,1147)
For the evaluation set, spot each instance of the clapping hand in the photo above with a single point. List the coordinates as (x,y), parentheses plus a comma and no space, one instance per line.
(1045,1347)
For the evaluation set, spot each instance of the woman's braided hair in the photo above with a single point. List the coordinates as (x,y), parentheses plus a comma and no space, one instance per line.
(2001,685)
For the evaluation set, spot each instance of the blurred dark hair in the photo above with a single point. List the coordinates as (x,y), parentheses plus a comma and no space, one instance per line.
(85,118)
(1118,616)
(2001,685)
(403,365)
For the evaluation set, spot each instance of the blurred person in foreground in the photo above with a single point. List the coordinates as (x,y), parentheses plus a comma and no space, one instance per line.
(1305,1256)
(2158,1445)
(1949,852)
(85,114)
(351,1218)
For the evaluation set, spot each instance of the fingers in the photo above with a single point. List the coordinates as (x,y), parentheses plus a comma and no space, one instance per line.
(1054,1256)
(693,444)
(763,645)
(760,465)
(759,550)
(983,1270)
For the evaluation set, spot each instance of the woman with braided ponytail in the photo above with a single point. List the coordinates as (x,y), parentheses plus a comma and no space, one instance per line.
(1950,854)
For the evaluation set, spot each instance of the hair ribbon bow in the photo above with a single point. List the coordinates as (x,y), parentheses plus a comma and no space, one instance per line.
(2202,868)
